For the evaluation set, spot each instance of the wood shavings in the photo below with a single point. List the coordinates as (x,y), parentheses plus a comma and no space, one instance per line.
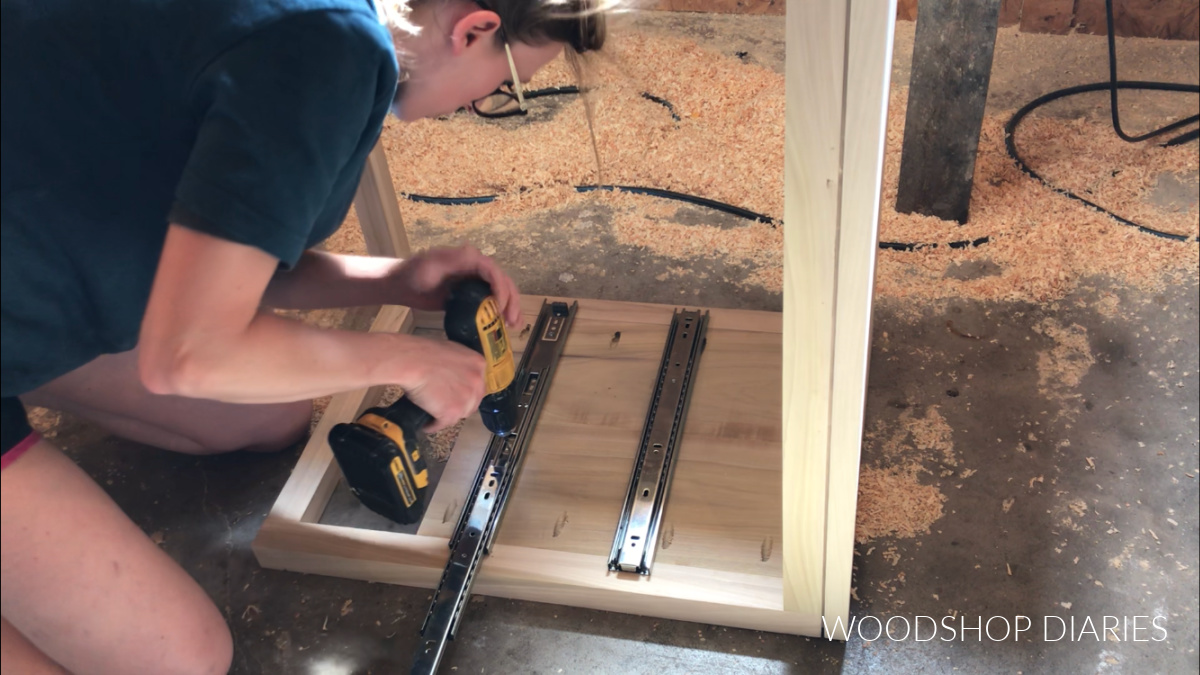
(319,406)
(321,318)
(932,432)
(1042,244)
(44,421)
(892,501)
(891,555)
(1068,361)
(441,443)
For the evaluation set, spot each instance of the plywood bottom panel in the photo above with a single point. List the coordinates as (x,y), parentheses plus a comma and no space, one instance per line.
(719,556)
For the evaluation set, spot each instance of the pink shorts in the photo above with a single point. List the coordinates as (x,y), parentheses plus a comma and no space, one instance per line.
(19,449)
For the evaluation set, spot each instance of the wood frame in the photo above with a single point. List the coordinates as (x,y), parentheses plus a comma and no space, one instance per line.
(839,54)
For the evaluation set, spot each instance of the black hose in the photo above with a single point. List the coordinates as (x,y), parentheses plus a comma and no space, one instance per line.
(652,192)
(1112,86)
(1114,81)
(1011,145)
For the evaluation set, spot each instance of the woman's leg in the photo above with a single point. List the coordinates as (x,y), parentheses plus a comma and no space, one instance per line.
(109,393)
(87,589)
(18,656)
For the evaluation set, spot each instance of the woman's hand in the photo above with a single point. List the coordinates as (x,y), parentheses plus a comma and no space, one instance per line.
(423,281)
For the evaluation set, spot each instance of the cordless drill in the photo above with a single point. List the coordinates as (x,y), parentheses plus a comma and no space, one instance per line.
(382,453)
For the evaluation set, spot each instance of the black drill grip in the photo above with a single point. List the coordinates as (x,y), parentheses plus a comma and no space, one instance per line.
(407,415)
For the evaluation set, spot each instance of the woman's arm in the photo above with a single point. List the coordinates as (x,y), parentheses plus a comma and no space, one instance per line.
(205,335)
(320,280)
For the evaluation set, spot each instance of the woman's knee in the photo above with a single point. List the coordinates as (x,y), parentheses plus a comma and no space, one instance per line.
(196,641)
(203,644)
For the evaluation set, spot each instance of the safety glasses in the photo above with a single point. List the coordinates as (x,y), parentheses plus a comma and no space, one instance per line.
(508,99)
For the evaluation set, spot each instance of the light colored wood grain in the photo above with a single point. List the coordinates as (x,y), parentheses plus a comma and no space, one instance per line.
(307,490)
(578,580)
(1047,16)
(378,211)
(577,468)
(812,167)
(723,563)
(868,71)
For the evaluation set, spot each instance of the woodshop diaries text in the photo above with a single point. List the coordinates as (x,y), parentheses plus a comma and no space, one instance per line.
(1054,628)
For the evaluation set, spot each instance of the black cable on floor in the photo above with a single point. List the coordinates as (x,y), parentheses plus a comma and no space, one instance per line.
(1112,86)
(1010,142)
(648,191)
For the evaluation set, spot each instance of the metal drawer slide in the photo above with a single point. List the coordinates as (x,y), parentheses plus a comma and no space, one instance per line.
(478,524)
(637,532)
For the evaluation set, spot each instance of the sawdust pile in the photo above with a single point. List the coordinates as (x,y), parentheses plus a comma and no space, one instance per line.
(893,502)
(1062,367)
(1042,244)
(892,499)
(728,146)
(638,139)
(44,421)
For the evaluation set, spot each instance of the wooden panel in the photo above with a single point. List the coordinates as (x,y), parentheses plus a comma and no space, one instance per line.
(1010,12)
(378,211)
(673,592)
(832,173)
(812,166)
(723,510)
(1167,19)
(726,487)
(868,69)
(316,475)
(1047,16)
(952,66)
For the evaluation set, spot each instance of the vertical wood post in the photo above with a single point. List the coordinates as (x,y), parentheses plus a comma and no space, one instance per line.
(377,209)
(952,66)
(837,77)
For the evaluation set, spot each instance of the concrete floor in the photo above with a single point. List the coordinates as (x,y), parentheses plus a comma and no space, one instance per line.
(1106,525)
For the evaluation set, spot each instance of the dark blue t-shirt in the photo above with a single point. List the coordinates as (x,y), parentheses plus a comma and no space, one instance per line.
(249,120)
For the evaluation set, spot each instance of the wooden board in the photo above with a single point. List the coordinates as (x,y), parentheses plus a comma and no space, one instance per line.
(719,560)
(726,487)
(1166,19)
(377,209)
(838,52)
